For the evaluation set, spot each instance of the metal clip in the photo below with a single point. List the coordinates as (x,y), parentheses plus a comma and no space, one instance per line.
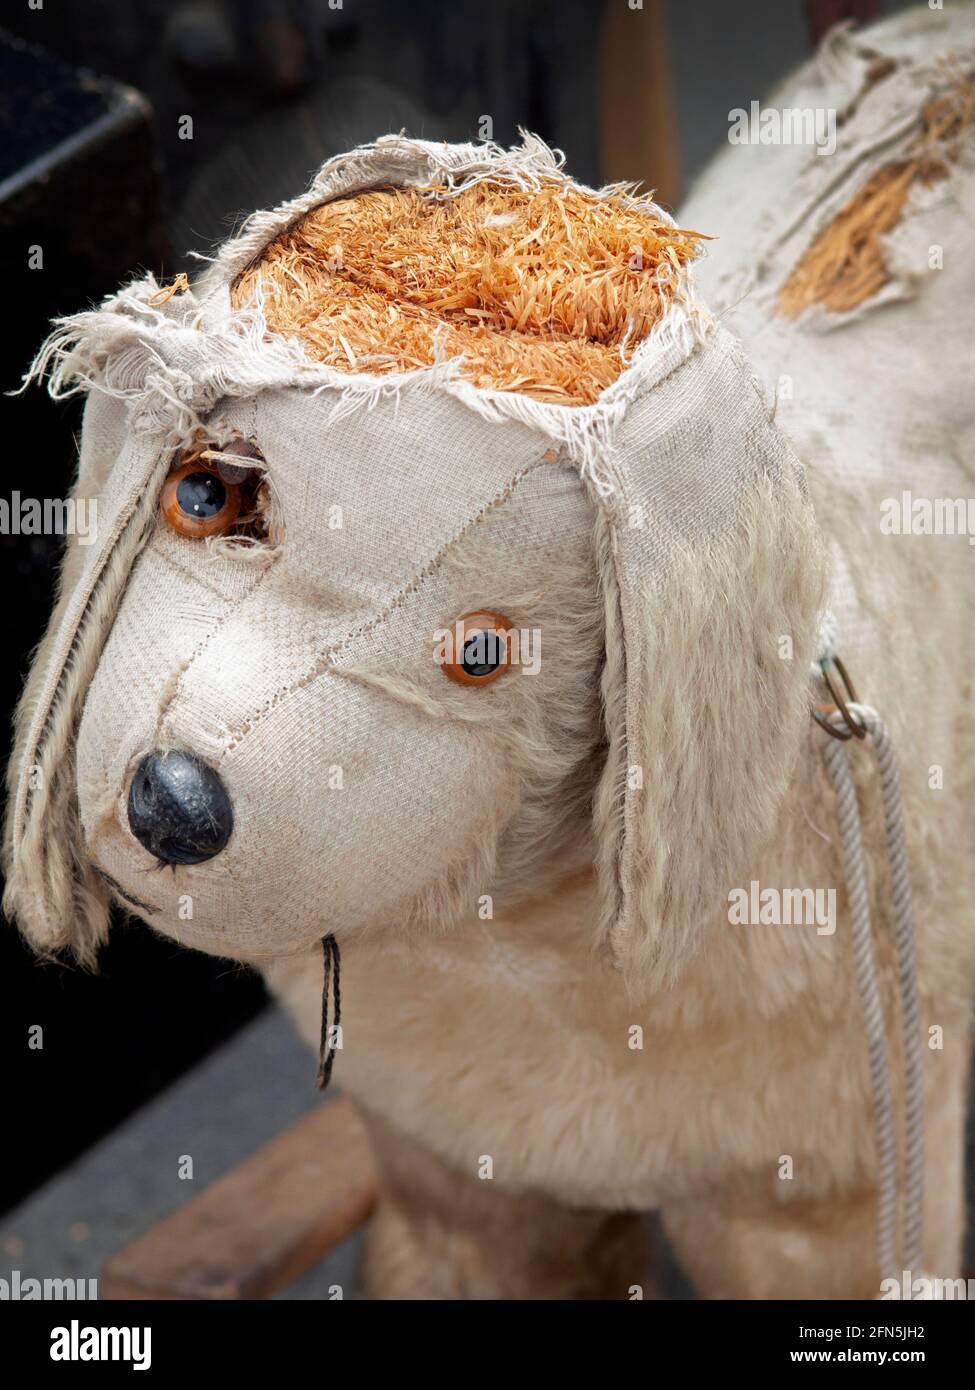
(854,729)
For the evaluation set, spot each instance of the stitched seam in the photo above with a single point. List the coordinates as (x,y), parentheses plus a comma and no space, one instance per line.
(231,606)
(185,573)
(324,660)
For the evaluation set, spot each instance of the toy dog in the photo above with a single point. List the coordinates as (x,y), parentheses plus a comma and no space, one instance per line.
(462,596)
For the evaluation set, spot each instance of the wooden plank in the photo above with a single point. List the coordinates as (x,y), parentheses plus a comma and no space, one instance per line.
(262,1224)
(638,137)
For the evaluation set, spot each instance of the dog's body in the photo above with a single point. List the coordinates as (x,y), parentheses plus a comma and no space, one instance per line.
(507,1039)
(548,1049)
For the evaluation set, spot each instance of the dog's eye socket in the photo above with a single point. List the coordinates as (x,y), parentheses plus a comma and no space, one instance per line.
(197,502)
(478,648)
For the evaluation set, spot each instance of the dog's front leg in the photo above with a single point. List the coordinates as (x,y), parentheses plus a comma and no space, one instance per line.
(747,1247)
(442,1234)
(737,1247)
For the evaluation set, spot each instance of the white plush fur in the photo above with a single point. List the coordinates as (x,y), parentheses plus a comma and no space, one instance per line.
(723,712)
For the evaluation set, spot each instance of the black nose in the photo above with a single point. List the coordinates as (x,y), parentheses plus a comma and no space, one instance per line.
(179,808)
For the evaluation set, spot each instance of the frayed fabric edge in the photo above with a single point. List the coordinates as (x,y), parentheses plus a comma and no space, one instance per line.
(174,360)
(432,166)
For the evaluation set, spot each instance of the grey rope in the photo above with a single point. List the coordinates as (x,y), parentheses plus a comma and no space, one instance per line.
(838,768)
(910,1006)
(848,816)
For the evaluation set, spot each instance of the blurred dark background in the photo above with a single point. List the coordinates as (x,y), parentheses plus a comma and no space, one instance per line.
(131,135)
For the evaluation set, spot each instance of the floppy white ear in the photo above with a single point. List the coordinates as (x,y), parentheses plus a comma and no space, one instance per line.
(51,890)
(138,405)
(713,577)
(154,363)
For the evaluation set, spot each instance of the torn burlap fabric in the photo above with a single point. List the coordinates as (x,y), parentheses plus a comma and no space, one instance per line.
(707,555)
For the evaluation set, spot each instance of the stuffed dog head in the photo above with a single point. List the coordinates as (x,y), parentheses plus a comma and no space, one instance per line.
(444,546)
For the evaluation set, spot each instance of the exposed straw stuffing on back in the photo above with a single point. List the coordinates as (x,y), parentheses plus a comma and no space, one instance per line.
(541,290)
(845,265)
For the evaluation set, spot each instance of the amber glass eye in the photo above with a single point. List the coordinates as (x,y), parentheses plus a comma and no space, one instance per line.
(478,649)
(197,502)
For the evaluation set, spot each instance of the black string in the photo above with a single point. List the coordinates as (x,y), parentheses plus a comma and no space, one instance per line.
(326,1051)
